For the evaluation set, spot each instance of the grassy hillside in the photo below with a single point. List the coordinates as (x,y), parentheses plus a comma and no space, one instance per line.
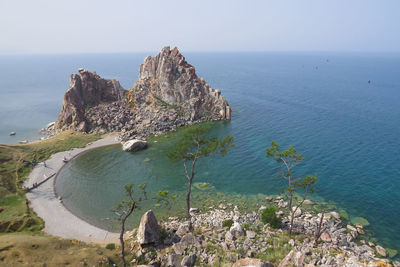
(15,165)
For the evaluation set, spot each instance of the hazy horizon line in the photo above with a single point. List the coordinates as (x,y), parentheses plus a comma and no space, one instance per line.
(204,51)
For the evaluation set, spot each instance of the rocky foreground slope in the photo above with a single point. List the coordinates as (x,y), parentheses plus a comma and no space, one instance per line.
(247,241)
(167,94)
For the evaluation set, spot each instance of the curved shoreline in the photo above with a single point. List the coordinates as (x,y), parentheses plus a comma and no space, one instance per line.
(59,220)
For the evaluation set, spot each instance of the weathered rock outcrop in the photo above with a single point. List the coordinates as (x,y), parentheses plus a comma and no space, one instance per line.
(167,95)
(149,231)
(168,78)
(87,90)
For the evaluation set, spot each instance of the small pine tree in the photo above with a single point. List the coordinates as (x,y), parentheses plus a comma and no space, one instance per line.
(195,145)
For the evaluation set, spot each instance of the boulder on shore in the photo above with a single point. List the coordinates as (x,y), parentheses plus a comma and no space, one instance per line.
(134,145)
(149,231)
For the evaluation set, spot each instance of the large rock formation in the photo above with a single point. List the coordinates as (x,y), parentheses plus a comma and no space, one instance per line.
(149,231)
(87,90)
(167,77)
(167,94)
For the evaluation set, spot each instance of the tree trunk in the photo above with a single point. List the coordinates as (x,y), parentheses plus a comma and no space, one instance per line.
(189,189)
(121,239)
(319,231)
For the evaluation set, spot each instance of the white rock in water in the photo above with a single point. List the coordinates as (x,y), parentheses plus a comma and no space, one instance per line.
(134,145)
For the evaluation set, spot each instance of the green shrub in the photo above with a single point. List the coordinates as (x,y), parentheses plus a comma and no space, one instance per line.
(164,233)
(246,226)
(227,223)
(110,246)
(268,216)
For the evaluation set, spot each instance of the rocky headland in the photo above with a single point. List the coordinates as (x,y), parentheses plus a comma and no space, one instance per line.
(168,94)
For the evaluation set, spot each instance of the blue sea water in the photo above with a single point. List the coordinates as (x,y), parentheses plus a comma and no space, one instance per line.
(321,103)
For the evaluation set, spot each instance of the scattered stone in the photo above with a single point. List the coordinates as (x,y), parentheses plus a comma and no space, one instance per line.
(173,260)
(381,251)
(236,229)
(297,212)
(351,228)
(189,261)
(337,246)
(308,202)
(194,210)
(183,229)
(358,226)
(335,215)
(251,262)
(250,234)
(149,231)
(262,208)
(326,237)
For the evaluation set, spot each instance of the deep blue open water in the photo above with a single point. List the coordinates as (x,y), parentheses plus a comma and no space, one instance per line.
(321,103)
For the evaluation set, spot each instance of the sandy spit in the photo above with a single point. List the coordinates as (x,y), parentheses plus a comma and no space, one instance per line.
(43,200)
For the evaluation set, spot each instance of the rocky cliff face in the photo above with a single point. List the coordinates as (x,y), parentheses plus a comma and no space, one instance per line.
(167,94)
(169,78)
(87,90)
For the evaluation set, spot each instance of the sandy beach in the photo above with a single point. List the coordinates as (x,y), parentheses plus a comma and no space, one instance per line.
(59,221)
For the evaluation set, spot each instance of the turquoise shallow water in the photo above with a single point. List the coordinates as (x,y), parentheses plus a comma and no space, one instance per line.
(322,104)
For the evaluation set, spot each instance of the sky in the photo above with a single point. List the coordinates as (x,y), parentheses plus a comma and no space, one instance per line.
(105,26)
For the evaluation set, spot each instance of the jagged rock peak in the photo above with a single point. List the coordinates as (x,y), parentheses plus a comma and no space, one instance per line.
(168,77)
(87,89)
(154,67)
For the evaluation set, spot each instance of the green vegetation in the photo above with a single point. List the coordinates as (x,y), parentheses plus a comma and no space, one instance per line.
(162,103)
(246,226)
(344,214)
(203,186)
(16,164)
(195,145)
(110,246)
(197,232)
(391,252)
(359,220)
(279,248)
(269,216)
(289,159)
(164,233)
(227,223)
(38,249)
(30,246)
